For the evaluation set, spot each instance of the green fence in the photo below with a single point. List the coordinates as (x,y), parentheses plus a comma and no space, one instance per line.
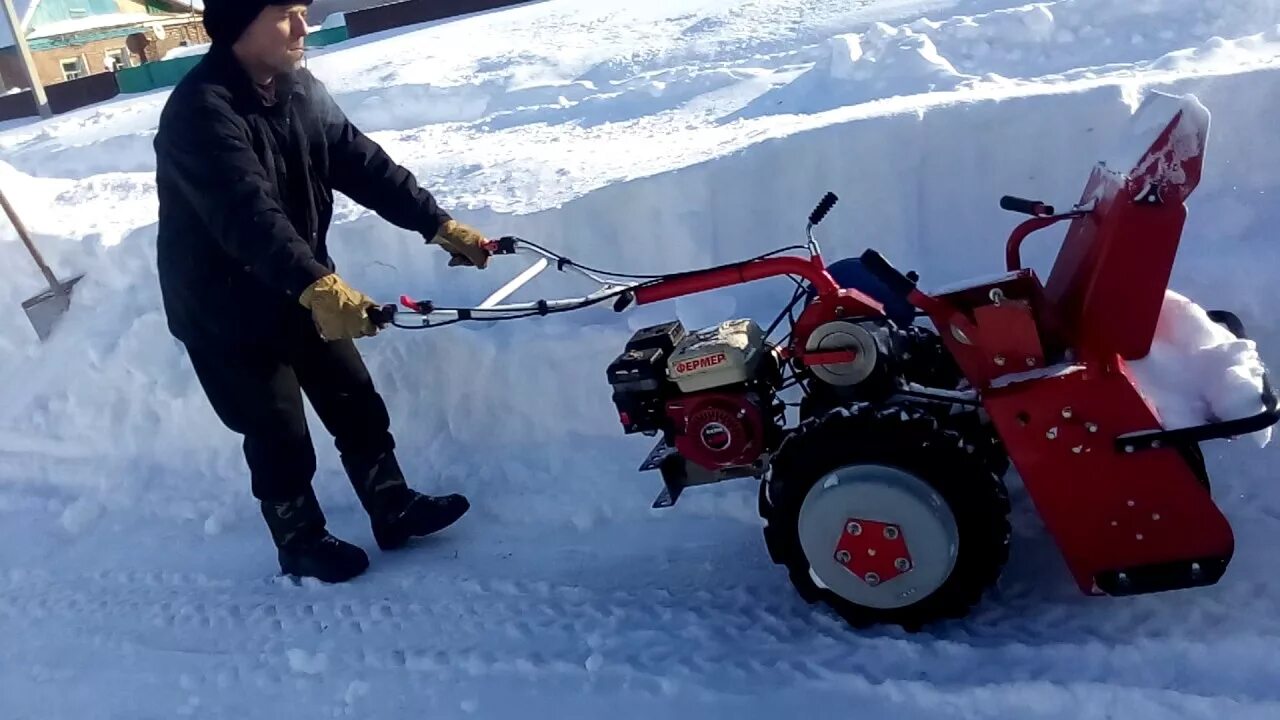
(167,73)
(327,37)
(152,75)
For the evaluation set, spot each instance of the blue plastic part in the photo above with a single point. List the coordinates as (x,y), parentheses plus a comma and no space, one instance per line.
(850,274)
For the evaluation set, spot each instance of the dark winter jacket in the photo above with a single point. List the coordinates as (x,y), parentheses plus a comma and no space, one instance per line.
(246,197)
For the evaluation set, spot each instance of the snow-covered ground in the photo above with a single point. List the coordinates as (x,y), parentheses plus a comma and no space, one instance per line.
(135,574)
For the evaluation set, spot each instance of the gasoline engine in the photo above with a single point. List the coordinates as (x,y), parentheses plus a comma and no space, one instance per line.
(713,395)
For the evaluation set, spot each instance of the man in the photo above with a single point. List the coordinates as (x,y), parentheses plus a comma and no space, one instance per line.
(249,150)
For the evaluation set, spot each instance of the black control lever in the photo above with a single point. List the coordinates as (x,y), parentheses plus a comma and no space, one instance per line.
(624,301)
(505,245)
(1025,206)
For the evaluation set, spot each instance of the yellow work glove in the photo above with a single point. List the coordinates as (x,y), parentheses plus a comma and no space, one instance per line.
(463,242)
(340,311)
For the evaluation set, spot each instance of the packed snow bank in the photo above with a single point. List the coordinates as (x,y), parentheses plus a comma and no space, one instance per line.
(628,91)
(1071,38)
(855,68)
(1040,42)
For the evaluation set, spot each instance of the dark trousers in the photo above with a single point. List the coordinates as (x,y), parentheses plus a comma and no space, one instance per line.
(257,393)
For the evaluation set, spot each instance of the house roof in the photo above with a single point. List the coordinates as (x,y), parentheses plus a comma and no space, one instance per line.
(26,11)
(92,22)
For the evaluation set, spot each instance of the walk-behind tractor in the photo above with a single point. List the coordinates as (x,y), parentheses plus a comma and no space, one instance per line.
(885,500)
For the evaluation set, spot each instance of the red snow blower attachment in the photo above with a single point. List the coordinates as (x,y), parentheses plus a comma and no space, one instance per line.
(885,500)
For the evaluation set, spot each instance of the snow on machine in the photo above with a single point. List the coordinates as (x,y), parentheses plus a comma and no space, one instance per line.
(886,499)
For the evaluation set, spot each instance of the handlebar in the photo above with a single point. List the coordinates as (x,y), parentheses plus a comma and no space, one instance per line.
(1025,206)
(492,308)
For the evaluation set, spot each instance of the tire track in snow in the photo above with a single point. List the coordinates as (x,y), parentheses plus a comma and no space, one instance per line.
(721,640)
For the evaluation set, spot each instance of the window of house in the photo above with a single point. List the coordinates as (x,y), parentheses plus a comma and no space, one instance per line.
(120,56)
(72,69)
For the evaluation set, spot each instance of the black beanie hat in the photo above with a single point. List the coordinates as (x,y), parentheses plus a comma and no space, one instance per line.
(226,20)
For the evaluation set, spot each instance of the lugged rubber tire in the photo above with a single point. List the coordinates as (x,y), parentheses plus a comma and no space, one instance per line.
(908,441)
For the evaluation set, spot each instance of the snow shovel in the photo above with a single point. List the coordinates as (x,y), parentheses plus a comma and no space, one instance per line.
(44,309)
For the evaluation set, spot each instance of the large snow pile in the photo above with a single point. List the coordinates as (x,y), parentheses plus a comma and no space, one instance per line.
(1198,371)
(134,569)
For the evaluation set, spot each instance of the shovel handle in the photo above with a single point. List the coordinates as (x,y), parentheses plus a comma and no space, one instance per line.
(54,285)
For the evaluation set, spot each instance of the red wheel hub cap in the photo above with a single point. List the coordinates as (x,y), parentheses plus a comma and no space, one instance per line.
(874,551)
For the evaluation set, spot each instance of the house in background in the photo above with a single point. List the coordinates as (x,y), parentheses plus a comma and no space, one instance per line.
(70,39)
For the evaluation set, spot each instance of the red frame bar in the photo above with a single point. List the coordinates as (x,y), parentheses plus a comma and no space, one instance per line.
(1013,249)
(813,270)
(831,357)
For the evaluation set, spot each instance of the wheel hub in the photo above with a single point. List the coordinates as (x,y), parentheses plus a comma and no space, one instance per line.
(877,536)
(874,551)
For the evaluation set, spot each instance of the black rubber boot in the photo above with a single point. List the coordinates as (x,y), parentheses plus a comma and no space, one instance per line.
(398,513)
(305,547)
